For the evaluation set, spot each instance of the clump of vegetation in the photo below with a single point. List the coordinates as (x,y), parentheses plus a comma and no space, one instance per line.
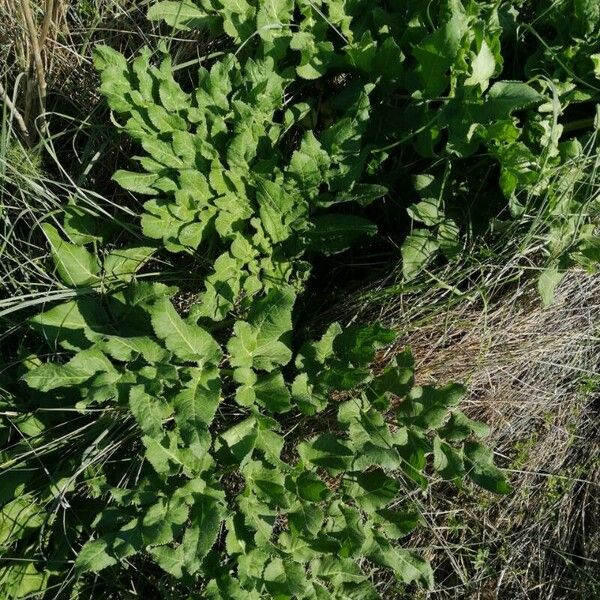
(176,422)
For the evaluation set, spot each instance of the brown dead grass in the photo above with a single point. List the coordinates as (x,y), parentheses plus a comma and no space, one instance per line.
(534,377)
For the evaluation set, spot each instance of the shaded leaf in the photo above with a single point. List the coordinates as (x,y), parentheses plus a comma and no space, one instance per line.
(480,466)
(333,233)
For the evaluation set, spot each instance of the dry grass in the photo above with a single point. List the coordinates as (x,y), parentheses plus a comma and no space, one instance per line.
(534,377)
(46,70)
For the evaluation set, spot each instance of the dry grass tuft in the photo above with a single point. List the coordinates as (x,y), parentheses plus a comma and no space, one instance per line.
(534,377)
(46,48)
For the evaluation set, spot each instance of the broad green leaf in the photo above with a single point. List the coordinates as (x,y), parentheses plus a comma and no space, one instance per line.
(362,53)
(145,79)
(305,520)
(482,67)
(73,324)
(162,122)
(238,21)
(306,397)
(115,77)
(259,517)
(79,369)
(313,355)
(147,410)
(140,295)
(174,99)
(169,559)
(227,587)
(436,53)
(29,425)
(428,407)
(236,444)
(127,349)
(94,556)
(266,482)
(338,569)
(348,530)
(163,153)
(361,193)
(343,376)
(272,393)
(414,450)
(262,341)
(269,442)
(314,55)
(84,225)
(163,521)
(166,221)
(309,165)
(75,265)
(163,454)
(124,263)
(23,580)
(277,209)
(333,233)
(398,378)
(548,282)
(398,523)
(357,344)
(417,250)
(310,487)
(447,237)
(195,405)
(588,251)
(427,211)
(140,183)
(365,424)
(447,461)
(216,86)
(480,467)
(504,97)
(379,454)
(459,427)
(272,16)
(371,490)
(285,578)
(327,451)
(205,515)
(181,15)
(587,14)
(127,540)
(187,342)
(245,394)
(222,289)
(92,360)
(17,516)
(406,565)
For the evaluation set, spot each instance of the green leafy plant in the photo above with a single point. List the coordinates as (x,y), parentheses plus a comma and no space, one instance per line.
(216,447)
(230,500)
(193,465)
(416,84)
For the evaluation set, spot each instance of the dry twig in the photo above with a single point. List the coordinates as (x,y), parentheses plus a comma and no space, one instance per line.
(16,115)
